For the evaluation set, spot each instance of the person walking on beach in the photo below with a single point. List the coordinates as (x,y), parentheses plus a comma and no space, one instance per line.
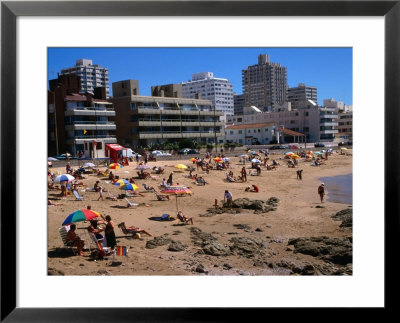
(100,193)
(299,174)
(321,192)
(169,182)
(228,197)
(244,174)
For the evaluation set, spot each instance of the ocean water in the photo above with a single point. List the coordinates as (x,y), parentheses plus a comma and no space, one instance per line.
(339,189)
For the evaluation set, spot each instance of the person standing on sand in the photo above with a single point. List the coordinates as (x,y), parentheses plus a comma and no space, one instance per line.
(228,197)
(244,174)
(299,174)
(169,182)
(321,192)
(101,193)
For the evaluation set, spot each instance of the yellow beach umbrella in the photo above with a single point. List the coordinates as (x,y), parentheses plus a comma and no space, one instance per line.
(344,148)
(180,166)
(192,159)
(294,156)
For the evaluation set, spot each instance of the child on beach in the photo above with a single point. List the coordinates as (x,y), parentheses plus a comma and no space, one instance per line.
(100,193)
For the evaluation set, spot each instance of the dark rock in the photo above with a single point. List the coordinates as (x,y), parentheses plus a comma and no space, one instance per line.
(157,241)
(115,263)
(242,226)
(200,269)
(177,246)
(248,247)
(346,216)
(55,272)
(228,266)
(81,265)
(320,207)
(214,248)
(103,272)
(336,250)
(259,230)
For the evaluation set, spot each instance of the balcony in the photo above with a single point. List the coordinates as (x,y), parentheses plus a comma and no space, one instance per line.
(107,139)
(105,112)
(329,131)
(91,125)
(328,124)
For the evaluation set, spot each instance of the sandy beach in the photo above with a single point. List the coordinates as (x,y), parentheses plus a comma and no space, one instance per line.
(238,242)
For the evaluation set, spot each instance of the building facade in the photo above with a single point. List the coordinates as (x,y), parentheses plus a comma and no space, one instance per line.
(78,122)
(345,125)
(168,90)
(205,86)
(238,103)
(265,84)
(251,134)
(316,123)
(92,76)
(300,94)
(144,120)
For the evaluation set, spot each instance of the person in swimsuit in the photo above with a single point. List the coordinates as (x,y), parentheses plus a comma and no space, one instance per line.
(109,232)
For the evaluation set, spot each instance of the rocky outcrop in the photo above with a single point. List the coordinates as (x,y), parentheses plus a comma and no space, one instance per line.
(209,244)
(157,242)
(248,247)
(176,246)
(335,250)
(346,216)
(259,206)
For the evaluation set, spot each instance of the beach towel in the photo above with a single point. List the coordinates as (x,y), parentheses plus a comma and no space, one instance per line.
(121,251)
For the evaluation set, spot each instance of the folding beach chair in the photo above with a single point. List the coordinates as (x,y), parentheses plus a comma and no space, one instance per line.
(77,196)
(63,234)
(131,204)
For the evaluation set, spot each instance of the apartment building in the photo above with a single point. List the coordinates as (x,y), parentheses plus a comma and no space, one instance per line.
(168,90)
(300,94)
(205,86)
(143,120)
(316,123)
(238,103)
(265,84)
(78,122)
(251,134)
(91,75)
(345,125)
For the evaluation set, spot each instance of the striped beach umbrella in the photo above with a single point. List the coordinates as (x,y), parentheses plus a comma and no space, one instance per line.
(121,182)
(64,178)
(129,187)
(81,215)
(115,166)
(255,160)
(177,191)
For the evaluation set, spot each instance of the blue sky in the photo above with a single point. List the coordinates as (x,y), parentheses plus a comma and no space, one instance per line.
(329,69)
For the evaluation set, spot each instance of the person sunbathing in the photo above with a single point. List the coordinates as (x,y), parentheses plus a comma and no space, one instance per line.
(51,203)
(184,218)
(74,239)
(148,187)
(271,167)
(132,229)
(230,178)
(161,197)
(200,181)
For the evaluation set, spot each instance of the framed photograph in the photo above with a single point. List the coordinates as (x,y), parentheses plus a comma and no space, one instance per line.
(35,33)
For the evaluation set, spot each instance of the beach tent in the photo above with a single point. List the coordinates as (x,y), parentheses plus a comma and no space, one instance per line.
(114,151)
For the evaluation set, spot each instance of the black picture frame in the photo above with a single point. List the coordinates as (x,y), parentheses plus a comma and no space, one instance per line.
(10,10)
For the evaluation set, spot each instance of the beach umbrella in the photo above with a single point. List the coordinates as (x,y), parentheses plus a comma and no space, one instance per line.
(177,191)
(180,166)
(129,187)
(81,215)
(64,178)
(192,159)
(121,182)
(344,148)
(217,158)
(115,166)
(52,159)
(143,167)
(225,159)
(255,160)
(309,152)
(294,156)
(318,153)
(289,153)
(308,156)
(89,165)
(243,156)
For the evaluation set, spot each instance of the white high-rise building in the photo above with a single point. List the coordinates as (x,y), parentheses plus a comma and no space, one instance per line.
(91,75)
(205,86)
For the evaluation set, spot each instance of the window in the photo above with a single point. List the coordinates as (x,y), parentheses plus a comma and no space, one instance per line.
(231,132)
(99,146)
(240,132)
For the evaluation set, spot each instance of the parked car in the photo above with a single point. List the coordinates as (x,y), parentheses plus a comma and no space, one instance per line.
(293,147)
(129,153)
(319,144)
(63,157)
(187,151)
(158,153)
(285,147)
(276,147)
